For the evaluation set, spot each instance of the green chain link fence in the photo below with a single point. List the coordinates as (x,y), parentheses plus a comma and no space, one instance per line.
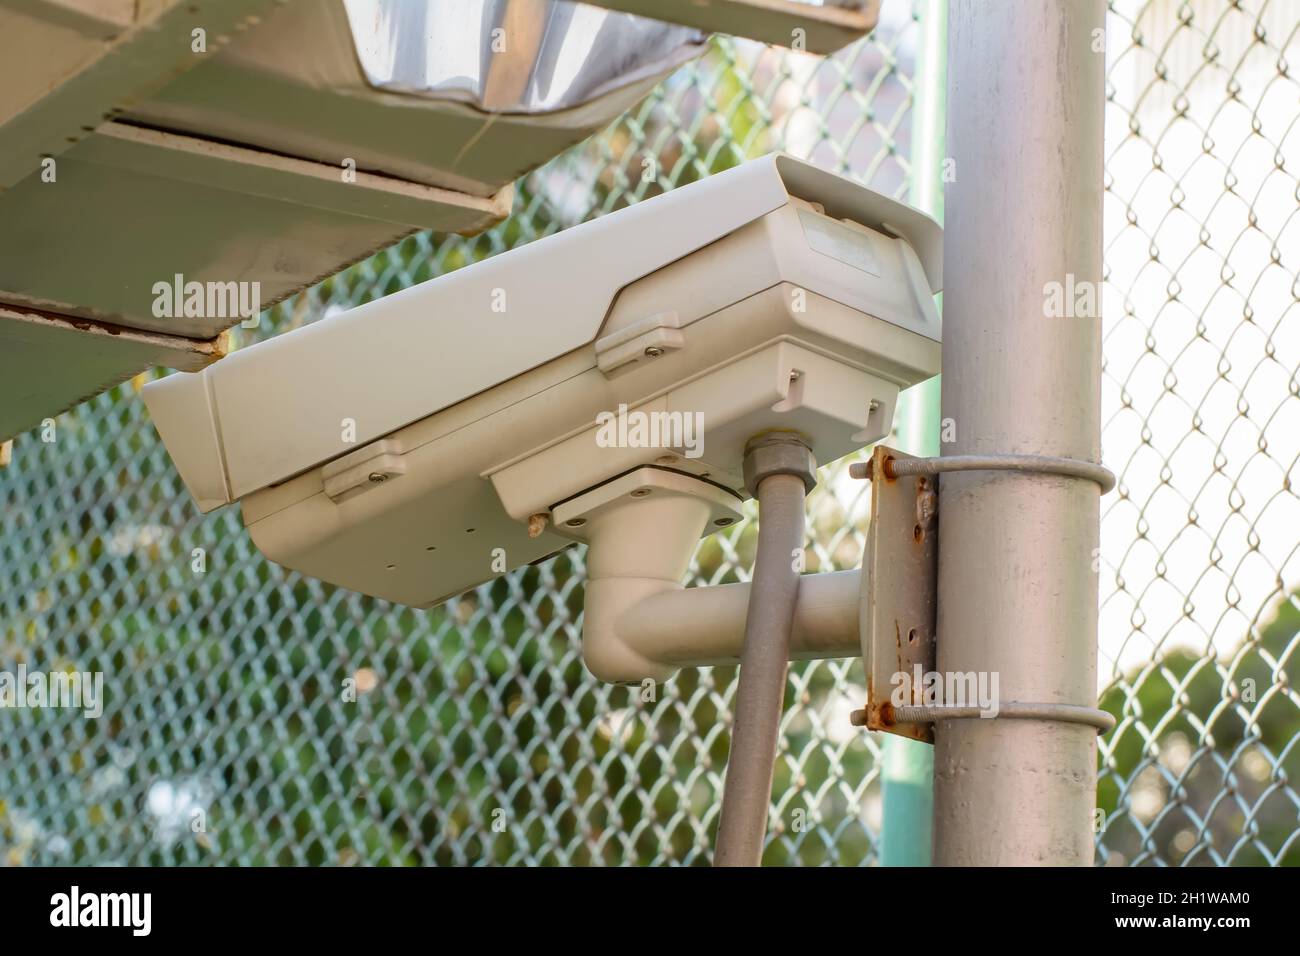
(476,736)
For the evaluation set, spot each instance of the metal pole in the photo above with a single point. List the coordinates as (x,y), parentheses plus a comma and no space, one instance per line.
(907,770)
(1017,594)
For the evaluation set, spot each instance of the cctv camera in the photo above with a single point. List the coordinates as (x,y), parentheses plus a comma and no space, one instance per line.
(424,443)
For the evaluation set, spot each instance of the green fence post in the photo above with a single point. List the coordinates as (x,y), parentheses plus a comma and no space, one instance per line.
(907,773)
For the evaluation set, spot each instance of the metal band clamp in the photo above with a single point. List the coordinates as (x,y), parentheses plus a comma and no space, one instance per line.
(1039,464)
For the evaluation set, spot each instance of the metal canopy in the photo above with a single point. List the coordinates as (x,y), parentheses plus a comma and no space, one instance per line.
(814,27)
(239,147)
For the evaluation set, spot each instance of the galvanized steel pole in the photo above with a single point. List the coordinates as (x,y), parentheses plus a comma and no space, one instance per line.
(1017,593)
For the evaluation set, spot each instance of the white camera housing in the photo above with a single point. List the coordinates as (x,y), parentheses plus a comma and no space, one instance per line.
(402,448)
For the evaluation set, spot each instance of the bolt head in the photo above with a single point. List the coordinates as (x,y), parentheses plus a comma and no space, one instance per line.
(378,477)
(654,351)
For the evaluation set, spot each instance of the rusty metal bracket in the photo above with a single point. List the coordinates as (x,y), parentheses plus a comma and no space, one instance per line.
(898,597)
(897,601)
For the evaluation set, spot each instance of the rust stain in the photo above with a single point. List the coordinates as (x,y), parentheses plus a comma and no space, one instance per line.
(88,324)
(887,714)
(80,323)
(927,503)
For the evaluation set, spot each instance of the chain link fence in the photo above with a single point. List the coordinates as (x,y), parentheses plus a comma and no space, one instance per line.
(1200,562)
(253,716)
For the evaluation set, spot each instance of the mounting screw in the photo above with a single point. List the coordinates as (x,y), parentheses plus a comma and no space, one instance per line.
(640,492)
(575,522)
(723,522)
(378,477)
(654,351)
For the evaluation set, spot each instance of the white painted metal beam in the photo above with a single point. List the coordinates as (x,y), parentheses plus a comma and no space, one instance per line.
(49,363)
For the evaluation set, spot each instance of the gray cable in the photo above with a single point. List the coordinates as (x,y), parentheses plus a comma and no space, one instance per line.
(760,693)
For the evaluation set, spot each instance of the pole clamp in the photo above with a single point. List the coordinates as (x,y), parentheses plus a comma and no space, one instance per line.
(898,596)
(1032,464)
(1013,710)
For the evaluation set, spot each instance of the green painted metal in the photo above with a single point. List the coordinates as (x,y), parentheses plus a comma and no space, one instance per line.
(907,771)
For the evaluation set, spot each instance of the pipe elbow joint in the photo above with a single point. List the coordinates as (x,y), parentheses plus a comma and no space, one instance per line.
(606,649)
